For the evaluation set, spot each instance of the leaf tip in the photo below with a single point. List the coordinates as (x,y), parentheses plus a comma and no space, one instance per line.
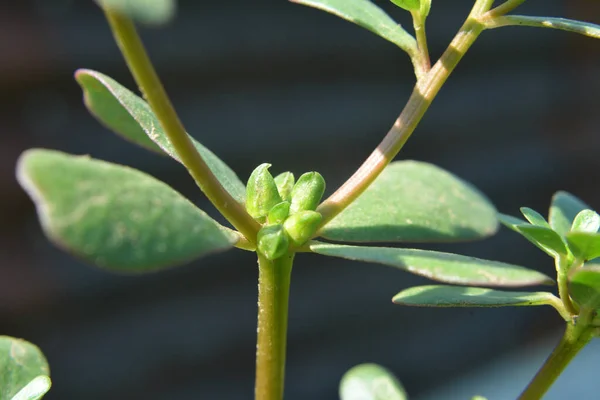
(81,71)
(82,74)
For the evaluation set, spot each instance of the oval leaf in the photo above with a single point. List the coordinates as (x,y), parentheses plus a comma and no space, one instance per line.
(131,117)
(545,239)
(408,5)
(585,246)
(442,267)
(586,221)
(153,12)
(23,370)
(457,296)
(371,382)
(534,217)
(114,216)
(414,201)
(584,286)
(366,14)
(563,210)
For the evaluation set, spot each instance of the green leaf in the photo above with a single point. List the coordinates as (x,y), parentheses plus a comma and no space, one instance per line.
(544,238)
(534,217)
(414,201)
(442,267)
(586,221)
(408,5)
(114,216)
(366,14)
(584,286)
(460,296)
(153,12)
(563,210)
(24,372)
(131,117)
(584,245)
(371,382)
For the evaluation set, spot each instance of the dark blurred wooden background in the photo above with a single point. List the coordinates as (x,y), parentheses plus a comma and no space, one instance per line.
(270,81)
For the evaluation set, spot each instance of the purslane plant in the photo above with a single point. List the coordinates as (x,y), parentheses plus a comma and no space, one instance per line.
(124,220)
(570,236)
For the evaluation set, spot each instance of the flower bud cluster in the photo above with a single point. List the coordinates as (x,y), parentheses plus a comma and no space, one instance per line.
(284,207)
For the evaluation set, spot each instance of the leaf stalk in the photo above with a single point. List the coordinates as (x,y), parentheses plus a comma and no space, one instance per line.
(505,8)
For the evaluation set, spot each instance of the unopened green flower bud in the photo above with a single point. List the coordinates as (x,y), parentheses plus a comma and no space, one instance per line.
(278,213)
(285,183)
(272,241)
(301,226)
(261,193)
(307,192)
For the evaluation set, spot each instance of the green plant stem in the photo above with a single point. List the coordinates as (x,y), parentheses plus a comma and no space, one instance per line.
(505,8)
(568,25)
(142,70)
(562,282)
(421,35)
(273,293)
(576,336)
(563,292)
(421,98)
(560,308)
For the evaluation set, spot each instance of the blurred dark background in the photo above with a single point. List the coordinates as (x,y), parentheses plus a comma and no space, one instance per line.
(270,81)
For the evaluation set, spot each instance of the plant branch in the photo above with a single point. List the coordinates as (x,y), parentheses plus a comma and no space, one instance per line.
(142,70)
(560,307)
(273,294)
(576,336)
(421,35)
(569,25)
(505,8)
(421,98)
(562,282)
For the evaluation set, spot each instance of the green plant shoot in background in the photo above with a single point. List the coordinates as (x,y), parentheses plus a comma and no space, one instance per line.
(123,220)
